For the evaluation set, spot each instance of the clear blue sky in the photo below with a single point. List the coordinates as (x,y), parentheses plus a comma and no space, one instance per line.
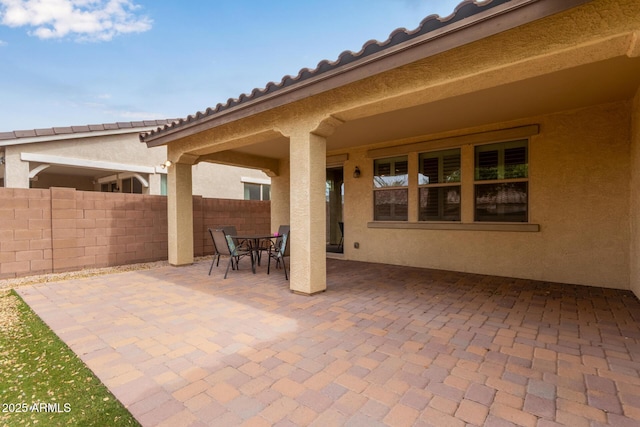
(77,62)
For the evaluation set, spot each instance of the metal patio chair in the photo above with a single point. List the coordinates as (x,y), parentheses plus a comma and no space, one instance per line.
(225,246)
(216,253)
(278,253)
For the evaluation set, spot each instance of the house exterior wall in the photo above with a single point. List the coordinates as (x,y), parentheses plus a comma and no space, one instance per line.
(579,164)
(209,180)
(578,194)
(222,181)
(16,172)
(280,197)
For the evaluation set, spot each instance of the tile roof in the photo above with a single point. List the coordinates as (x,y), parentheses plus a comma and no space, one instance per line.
(431,23)
(33,133)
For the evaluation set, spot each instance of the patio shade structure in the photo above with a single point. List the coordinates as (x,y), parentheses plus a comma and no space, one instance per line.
(558,79)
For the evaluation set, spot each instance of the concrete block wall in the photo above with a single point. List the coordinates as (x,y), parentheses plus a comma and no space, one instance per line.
(248,216)
(25,232)
(61,229)
(92,229)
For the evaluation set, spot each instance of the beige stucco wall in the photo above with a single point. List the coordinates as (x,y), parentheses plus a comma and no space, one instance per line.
(222,181)
(122,148)
(635,197)
(578,194)
(280,197)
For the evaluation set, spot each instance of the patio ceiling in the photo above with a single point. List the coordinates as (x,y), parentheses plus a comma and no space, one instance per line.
(609,80)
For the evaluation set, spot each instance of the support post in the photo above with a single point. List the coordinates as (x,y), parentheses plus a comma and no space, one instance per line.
(308,213)
(180,214)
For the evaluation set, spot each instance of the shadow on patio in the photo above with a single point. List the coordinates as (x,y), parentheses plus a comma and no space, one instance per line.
(385,345)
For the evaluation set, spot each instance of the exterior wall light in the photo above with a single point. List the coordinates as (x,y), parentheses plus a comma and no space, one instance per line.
(356,172)
(166,164)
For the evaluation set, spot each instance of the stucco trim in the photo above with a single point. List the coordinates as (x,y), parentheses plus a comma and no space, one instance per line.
(251,180)
(337,160)
(531,228)
(84,163)
(456,141)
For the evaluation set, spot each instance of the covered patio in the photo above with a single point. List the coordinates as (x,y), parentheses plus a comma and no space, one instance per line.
(502,140)
(387,345)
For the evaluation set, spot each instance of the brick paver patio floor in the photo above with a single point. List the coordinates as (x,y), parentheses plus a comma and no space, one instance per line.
(384,345)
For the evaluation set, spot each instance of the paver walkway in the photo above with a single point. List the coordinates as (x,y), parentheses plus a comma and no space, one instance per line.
(383,346)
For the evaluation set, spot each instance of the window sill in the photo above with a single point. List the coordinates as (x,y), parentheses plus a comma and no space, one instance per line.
(495,226)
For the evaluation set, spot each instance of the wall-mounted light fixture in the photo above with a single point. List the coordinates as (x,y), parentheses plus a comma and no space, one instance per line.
(356,172)
(166,164)
(2,160)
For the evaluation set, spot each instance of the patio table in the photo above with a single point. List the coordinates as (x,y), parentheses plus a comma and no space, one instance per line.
(254,245)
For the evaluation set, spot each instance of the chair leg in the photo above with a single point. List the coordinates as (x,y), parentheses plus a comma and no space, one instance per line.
(269,263)
(216,257)
(284,267)
(230,263)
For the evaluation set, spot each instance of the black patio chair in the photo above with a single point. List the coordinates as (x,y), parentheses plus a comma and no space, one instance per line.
(279,252)
(230,230)
(216,253)
(268,244)
(340,245)
(225,246)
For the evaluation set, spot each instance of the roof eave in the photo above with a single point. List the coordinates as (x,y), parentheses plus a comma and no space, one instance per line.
(482,25)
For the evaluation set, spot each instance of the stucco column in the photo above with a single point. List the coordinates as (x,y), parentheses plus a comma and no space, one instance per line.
(280,198)
(155,184)
(308,153)
(16,172)
(180,214)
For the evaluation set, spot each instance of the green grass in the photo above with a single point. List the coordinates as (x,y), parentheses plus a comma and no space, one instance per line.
(44,379)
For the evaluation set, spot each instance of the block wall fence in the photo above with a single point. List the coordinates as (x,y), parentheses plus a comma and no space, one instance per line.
(61,229)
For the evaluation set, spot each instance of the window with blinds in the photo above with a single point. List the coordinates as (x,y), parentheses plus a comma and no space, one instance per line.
(501,182)
(439,186)
(390,182)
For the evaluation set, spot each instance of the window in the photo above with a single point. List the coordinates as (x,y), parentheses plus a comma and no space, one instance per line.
(501,182)
(390,181)
(109,187)
(131,185)
(163,185)
(439,186)
(257,191)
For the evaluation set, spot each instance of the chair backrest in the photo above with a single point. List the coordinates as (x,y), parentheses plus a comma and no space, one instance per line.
(229,230)
(284,247)
(215,248)
(220,242)
(282,230)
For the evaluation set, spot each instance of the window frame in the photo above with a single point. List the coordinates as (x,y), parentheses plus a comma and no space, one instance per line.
(500,180)
(466,143)
(378,189)
(441,183)
(261,190)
